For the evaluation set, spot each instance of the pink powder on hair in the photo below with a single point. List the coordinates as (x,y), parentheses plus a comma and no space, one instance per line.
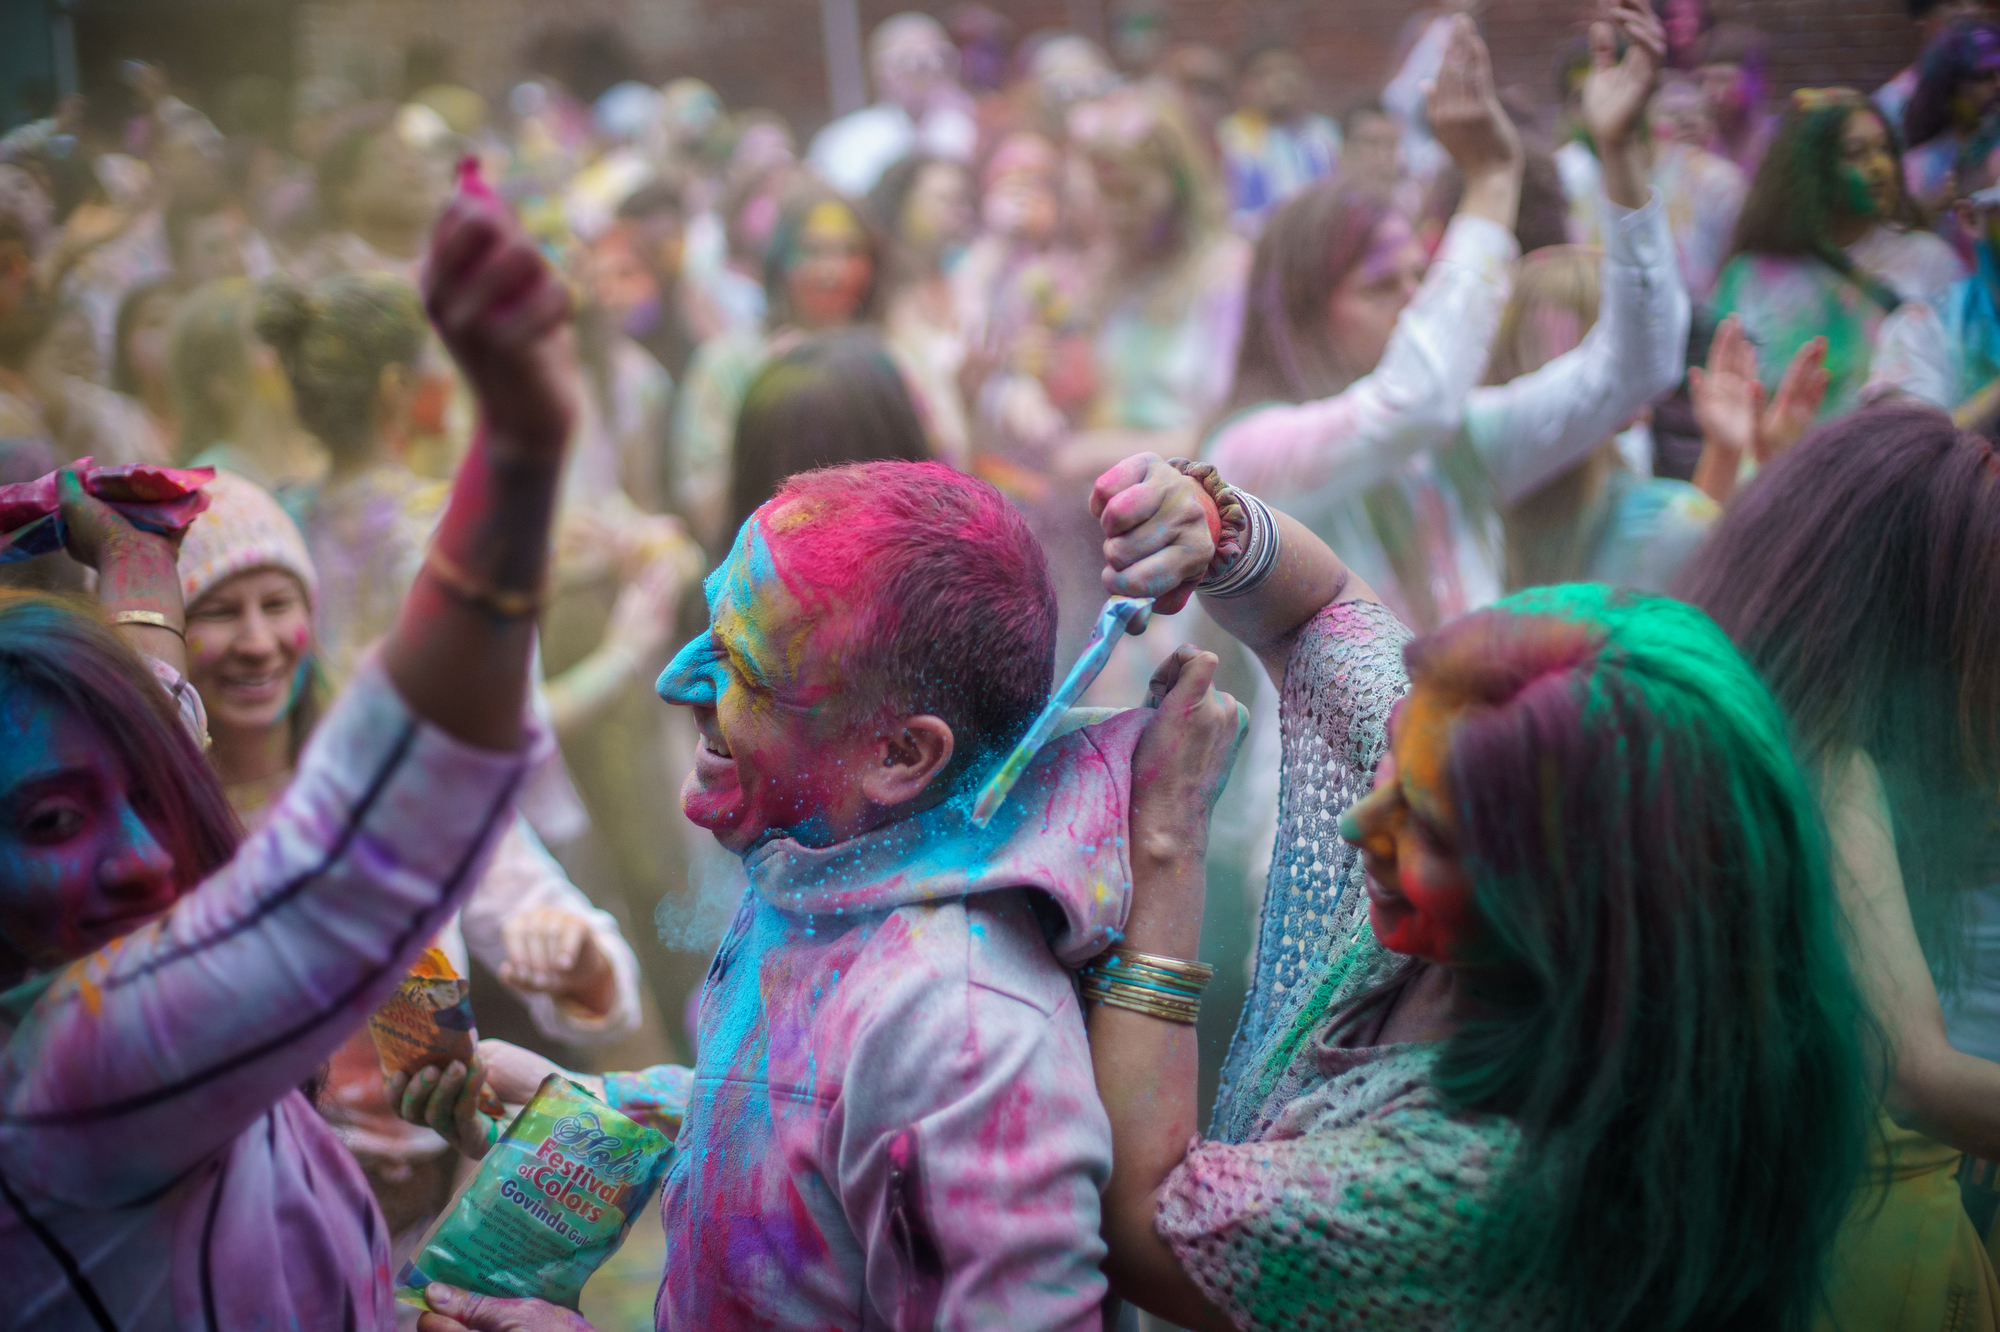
(931,579)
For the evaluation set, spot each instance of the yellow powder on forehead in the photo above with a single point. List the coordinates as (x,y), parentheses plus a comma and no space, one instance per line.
(1423,741)
(830,220)
(793,516)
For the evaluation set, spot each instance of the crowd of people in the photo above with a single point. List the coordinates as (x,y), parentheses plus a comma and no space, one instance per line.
(1597,489)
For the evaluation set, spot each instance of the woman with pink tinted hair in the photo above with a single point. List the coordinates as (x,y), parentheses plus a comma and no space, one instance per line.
(169,984)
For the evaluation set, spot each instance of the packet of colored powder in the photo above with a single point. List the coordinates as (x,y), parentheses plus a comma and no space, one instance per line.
(552,1200)
(427,1022)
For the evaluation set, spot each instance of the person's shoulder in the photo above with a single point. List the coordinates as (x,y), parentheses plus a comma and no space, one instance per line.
(1227,261)
(931,959)
(1712,171)
(1935,262)
(1239,132)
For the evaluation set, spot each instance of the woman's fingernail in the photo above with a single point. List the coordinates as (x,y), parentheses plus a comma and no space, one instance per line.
(439,1296)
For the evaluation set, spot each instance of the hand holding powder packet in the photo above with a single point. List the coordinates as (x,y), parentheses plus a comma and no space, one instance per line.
(552,1200)
(427,1022)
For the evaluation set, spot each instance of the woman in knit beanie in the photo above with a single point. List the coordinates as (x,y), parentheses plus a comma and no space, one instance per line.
(250,590)
(251,594)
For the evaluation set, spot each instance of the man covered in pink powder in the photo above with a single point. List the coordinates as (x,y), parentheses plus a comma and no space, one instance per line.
(892,1121)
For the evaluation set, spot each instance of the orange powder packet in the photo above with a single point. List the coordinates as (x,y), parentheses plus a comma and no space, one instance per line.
(427,1022)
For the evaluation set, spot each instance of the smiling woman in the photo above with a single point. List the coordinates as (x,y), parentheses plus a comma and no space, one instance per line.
(1582,999)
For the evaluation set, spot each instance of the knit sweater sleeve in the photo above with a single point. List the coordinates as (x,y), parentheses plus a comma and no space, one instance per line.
(1315,949)
(1374,1223)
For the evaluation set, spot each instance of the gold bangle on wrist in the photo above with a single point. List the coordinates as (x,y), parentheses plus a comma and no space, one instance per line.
(151,619)
(1167,988)
(1198,973)
(1137,1001)
(503,602)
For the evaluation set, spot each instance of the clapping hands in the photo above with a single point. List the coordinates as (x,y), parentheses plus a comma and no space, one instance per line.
(1730,406)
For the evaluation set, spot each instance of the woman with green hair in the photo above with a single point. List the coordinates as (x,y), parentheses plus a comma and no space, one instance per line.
(1556,1032)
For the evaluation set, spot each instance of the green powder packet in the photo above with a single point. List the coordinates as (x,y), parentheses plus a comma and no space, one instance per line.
(552,1200)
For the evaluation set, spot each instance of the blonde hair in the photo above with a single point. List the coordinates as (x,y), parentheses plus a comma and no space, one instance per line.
(1551,532)
(1555,280)
(1142,124)
(335,338)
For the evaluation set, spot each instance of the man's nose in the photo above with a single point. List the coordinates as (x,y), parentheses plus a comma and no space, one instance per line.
(691,677)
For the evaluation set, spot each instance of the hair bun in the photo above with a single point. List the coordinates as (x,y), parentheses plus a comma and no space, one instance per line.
(285,311)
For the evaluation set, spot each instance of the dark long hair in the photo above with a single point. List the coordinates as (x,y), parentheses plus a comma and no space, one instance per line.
(1661,998)
(793,213)
(835,398)
(1795,195)
(62,650)
(1861,575)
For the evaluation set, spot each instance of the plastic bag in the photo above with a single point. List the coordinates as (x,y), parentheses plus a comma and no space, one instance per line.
(552,1200)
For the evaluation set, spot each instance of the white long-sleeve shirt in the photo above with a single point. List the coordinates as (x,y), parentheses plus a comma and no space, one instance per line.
(524,877)
(1432,454)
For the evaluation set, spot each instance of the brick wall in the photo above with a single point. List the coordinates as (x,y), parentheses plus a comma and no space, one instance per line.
(768,52)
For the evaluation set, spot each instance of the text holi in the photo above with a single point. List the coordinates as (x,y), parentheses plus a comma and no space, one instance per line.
(571,1184)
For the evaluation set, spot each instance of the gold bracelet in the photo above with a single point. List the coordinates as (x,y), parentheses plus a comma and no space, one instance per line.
(1198,973)
(151,619)
(1134,999)
(508,605)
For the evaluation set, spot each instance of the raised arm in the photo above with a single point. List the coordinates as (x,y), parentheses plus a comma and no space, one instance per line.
(147,1056)
(1147,1069)
(459,653)
(1414,398)
(1157,544)
(1540,425)
(1464,112)
(1933,1088)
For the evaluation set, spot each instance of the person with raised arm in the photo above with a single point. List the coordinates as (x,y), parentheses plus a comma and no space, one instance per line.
(167,990)
(1358,402)
(1511,1057)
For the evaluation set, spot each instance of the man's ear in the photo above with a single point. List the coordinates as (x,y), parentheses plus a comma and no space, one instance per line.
(910,756)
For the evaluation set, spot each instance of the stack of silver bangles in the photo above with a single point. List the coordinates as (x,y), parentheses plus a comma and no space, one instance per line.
(1260,552)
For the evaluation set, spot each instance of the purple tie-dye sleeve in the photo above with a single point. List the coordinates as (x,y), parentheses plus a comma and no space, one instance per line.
(146,1057)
